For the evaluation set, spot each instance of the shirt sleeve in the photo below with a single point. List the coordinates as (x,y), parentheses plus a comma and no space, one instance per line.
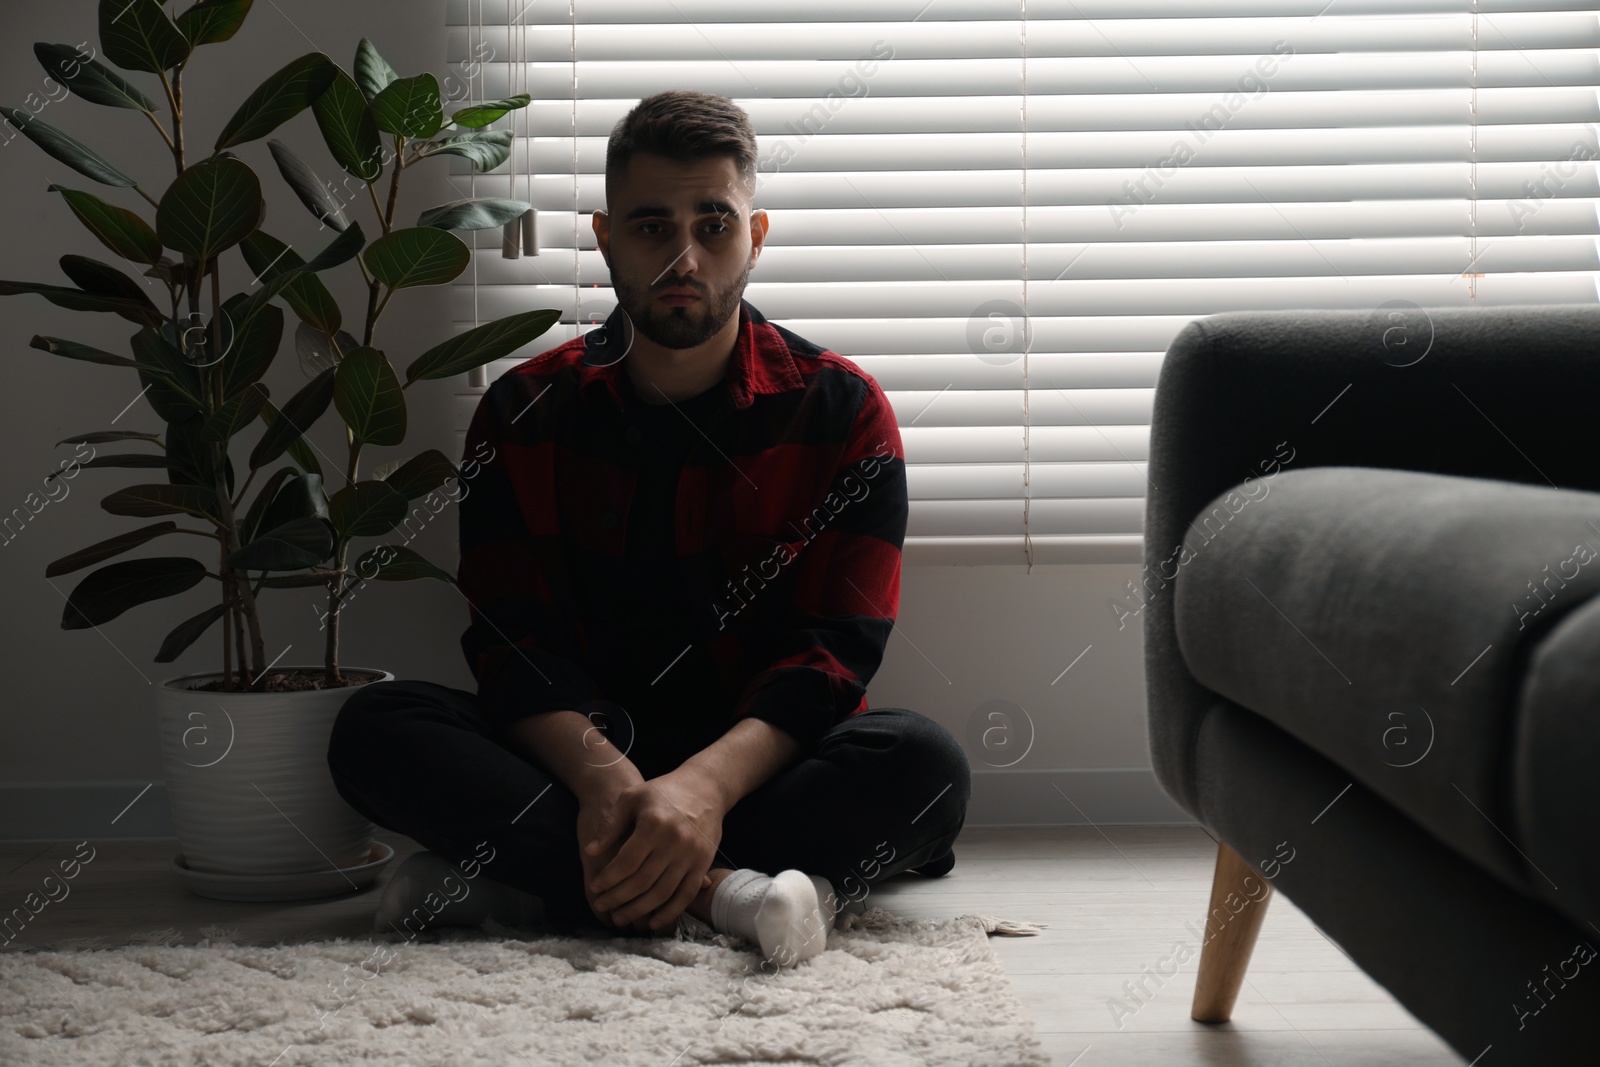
(522,644)
(846,592)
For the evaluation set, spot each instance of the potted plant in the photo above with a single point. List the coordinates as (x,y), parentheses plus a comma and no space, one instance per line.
(244,750)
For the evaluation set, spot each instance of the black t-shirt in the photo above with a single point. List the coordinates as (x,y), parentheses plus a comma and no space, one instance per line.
(664,677)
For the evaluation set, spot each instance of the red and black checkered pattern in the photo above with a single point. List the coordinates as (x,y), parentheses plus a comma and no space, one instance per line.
(790,516)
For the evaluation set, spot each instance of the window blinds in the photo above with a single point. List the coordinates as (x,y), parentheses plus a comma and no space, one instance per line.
(1005,210)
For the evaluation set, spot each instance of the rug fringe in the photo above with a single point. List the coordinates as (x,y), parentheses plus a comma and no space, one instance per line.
(168,936)
(874,919)
(1007,927)
(79,944)
(212,934)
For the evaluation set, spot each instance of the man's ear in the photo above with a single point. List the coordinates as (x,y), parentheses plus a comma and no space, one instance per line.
(602,234)
(758,233)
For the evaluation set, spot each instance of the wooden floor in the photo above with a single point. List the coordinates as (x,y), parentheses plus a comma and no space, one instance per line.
(1117,900)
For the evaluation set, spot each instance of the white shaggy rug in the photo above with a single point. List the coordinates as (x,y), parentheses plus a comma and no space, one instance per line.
(887,992)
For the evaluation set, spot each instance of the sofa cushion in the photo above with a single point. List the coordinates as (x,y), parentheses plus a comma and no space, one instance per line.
(1385,619)
(1556,764)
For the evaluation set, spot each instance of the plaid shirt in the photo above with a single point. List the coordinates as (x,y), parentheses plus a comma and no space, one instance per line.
(789,517)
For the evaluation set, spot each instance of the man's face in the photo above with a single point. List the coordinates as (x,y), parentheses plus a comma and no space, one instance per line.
(680,226)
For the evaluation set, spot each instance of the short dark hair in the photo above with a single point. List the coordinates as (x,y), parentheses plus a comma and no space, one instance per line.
(685,126)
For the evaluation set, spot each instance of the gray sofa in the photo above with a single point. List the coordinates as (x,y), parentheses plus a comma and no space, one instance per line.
(1372,638)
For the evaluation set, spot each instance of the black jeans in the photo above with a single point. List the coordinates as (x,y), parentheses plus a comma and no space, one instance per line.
(884,791)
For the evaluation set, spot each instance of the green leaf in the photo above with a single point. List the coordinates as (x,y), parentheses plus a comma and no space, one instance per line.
(296,544)
(213,21)
(369,397)
(484,344)
(112,546)
(410,107)
(304,457)
(418,256)
(190,630)
(339,251)
(255,344)
(96,437)
(269,257)
(308,187)
(73,350)
(422,473)
(295,87)
(175,384)
(296,417)
(258,507)
(113,589)
(212,206)
(366,509)
(140,460)
(119,229)
(138,35)
(486,148)
(397,563)
(66,148)
(102,279)
(483,114)
(167,270)
(301,497)
(75,299)
(373,73)
(481,214)
(316,354)
(190,461)
(350,130)
(91,79)
(235,415)
(143,501)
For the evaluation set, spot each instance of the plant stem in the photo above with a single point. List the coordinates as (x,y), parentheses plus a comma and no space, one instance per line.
(174,89)
(374,308)
(227,615)
(394,181)
(234,586)
(238,631)
(372,311)
(248,479)
(376,207)
(160,129)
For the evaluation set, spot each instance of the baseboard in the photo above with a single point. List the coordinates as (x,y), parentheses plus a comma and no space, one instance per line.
(102,810)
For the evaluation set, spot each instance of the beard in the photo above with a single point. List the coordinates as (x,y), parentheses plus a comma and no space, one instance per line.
(680,325)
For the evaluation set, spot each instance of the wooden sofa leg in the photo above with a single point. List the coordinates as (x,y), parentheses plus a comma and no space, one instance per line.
(1231,929)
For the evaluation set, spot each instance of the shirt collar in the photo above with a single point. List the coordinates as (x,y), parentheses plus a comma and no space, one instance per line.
(761,360)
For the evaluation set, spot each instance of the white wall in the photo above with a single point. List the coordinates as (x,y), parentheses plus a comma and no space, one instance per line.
(77,734)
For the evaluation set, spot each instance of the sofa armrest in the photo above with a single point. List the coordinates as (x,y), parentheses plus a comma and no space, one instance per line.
(1503,393)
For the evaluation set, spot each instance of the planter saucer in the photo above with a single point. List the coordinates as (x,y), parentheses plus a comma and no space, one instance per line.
(303,885)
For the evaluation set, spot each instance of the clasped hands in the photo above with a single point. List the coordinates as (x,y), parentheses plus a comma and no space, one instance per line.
(647,845)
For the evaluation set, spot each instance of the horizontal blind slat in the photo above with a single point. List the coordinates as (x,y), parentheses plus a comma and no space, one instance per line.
(1181,160)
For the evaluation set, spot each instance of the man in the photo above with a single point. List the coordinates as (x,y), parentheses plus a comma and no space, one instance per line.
(680,547)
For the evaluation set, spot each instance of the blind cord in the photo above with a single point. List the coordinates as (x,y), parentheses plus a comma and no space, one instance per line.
(1472,165)
(1027,332)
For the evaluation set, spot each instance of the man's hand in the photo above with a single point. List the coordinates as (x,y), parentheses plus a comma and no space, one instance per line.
(594,815)
(654,842)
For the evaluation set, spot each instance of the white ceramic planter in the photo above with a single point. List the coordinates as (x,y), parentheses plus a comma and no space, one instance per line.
(248,781)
